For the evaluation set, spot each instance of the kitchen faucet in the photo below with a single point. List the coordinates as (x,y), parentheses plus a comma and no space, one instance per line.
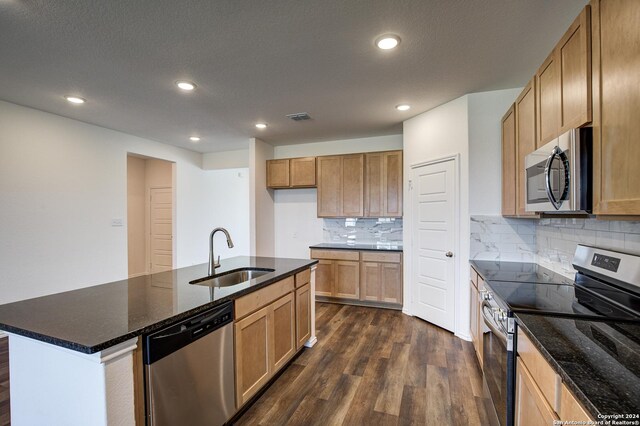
(213,264)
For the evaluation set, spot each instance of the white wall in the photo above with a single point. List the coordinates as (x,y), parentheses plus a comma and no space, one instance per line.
(61,183)
(226,159)
(261,200)
(297,225)
(435,134)
(485,149)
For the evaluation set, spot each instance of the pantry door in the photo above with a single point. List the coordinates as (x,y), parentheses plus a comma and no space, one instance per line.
(435,227)
(160,229)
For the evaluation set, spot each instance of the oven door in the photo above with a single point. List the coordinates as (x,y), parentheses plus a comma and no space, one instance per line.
(497,363)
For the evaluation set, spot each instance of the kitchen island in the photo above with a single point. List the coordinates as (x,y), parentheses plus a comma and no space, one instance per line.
(72,353)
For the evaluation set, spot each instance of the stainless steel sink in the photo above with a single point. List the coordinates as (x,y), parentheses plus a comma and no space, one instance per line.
(229,278)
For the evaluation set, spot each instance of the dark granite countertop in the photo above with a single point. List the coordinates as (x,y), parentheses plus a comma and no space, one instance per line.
(494,270)
(397,247)
(598,361)
(94,318)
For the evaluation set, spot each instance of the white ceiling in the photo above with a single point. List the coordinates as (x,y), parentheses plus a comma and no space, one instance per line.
(260,60)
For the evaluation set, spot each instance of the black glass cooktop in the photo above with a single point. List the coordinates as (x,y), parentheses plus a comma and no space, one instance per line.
(558,300)
(518,272)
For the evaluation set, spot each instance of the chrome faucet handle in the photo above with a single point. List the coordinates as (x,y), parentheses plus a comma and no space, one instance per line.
(217,264)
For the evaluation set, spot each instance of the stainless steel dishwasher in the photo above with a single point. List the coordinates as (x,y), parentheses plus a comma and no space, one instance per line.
(189,371)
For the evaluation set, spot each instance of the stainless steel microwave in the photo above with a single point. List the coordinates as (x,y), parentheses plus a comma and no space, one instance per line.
(558,175)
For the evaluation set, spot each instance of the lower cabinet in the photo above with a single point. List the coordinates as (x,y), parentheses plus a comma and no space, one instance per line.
(303,315)
(363,276)
(475,286)
(265,340)
(532,409)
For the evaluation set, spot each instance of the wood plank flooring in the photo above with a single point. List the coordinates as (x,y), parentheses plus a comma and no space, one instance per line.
(375,366)
(5,414)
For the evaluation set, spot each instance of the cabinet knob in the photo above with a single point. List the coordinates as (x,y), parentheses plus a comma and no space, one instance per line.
(449,254)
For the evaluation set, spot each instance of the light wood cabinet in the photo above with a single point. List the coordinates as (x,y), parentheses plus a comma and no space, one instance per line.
(475,286)
(574,65)
(303,315)
(383,184)
(353,185)
(291,173)
(525,112)
(616,102)
(347,279)
(570,408)
(381,279)
(253,360)
(548,97)
(352,276)
(283,331)
(278,173)
(509,163)
(532,409)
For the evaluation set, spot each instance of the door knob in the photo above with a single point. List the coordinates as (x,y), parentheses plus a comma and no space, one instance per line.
(449,254)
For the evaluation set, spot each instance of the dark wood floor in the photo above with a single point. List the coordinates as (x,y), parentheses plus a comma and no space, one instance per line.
(374,366)
(5,417)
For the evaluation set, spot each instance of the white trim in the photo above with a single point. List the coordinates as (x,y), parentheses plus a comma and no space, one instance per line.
(110,354)
(311,342)
(3,335)
(466,337)
(436,160)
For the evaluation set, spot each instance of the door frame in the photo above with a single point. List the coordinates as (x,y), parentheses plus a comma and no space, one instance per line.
(456,229)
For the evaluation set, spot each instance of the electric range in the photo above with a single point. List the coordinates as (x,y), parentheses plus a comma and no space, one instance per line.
(606,289)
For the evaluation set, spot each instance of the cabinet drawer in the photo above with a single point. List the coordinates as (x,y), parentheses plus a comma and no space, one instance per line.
(303,278)
(545,378)
(381,257)
(256,300)
(335,254)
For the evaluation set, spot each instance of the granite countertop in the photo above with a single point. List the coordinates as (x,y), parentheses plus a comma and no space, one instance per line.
(396,247)
(598,361)
(94,318)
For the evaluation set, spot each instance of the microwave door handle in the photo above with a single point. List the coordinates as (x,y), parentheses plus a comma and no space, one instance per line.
(547,178)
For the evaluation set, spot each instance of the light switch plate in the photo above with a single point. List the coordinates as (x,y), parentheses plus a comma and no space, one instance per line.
(116,222)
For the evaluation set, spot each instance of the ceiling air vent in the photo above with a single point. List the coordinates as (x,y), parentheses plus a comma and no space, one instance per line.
(299,116)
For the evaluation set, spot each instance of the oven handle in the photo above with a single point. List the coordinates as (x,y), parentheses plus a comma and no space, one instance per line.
(493,327)
(557,152)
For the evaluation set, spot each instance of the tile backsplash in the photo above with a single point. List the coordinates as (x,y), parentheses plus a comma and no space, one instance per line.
(549,242)
(362,230)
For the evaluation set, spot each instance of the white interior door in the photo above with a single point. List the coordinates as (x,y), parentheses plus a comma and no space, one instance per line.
(434,228)
(160,230)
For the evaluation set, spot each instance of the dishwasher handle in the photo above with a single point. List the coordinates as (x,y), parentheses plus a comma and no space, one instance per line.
(170,339)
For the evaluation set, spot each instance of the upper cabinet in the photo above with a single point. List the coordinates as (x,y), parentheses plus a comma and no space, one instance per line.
(291,173)
(360,185)
(509,163)
(616,102)
(525,111)
(383,184)
(563,82)
(341,186)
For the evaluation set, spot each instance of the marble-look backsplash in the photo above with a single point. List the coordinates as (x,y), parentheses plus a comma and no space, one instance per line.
(549,242)
(557,239)
(504,239)
(363,230)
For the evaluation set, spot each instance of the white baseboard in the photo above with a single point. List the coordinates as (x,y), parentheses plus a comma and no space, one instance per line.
(466,337)
(3,335)
(311,342)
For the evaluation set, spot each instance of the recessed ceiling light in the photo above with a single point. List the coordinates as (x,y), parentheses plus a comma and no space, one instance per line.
(75,100)
(387,41)
(194,139)
(261,125)
(187,86)
(403,107)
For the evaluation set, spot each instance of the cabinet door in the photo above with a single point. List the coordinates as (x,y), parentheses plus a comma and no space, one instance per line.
(391,276)
(509,163)
(353,185)
(278,173)
(303,315)
(347,279)
(325,277)
(371,285)
(303,172)
(473,297)
(283,331)
(570,408)
(548,97)
(392,184)
(616,151)
(525,141)
(574,54)
(253,362)
(479,347)
(329,186)
(373,190)
(531,408)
